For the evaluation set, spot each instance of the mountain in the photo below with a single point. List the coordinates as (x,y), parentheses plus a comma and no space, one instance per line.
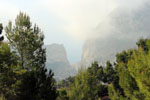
(58,62)
(121,30)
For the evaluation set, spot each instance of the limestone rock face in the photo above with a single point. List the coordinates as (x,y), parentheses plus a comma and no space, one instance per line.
(120,31)
(58,62)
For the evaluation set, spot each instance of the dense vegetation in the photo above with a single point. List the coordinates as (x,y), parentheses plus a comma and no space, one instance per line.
(23,75)
(128,78)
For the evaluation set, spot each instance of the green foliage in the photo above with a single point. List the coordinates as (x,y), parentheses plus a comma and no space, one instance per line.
(37,86)
(92,84)
(65,83)
(8,62)
(109,73)
(27,41)
(143,43)
(84,87)
(62,94)
(115,94)
(46,85)
(26,88)
(128,83)
(127,79)
(139,68)
(133,70)
(23,75)
(96,71)
(36,83)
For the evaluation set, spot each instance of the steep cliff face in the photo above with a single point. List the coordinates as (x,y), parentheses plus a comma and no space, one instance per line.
(120,31)
(58,62)
(103,50)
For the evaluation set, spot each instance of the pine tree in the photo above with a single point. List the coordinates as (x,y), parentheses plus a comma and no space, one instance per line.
(37,86)
(36,83)
(63,94)
(84,87)
(27,41)
(8,64)
(114,94)
(126,81)
(139,68)
(109,73)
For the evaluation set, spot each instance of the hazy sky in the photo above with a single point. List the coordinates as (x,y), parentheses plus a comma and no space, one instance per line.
(67,22)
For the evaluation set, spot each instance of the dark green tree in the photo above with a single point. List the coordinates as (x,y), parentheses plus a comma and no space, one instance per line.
(37,86)
(139,68)
(109,73)
(27,41)
(62,94)
(115,94)
(46,85)
(65,82)
(8,76)
(36,83)
(128,87)
(143,43)
(84,87)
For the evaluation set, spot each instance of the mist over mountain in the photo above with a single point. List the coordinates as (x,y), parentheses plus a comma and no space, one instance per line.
(121,30)
(58,62)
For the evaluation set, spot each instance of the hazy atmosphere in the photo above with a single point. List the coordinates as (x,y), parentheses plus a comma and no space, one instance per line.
(69,22)
(74,49)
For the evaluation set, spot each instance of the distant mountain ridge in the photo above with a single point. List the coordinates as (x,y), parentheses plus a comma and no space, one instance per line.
(58,62)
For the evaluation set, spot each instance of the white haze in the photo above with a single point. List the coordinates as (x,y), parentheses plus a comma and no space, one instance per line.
(122,29)
(81,17)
